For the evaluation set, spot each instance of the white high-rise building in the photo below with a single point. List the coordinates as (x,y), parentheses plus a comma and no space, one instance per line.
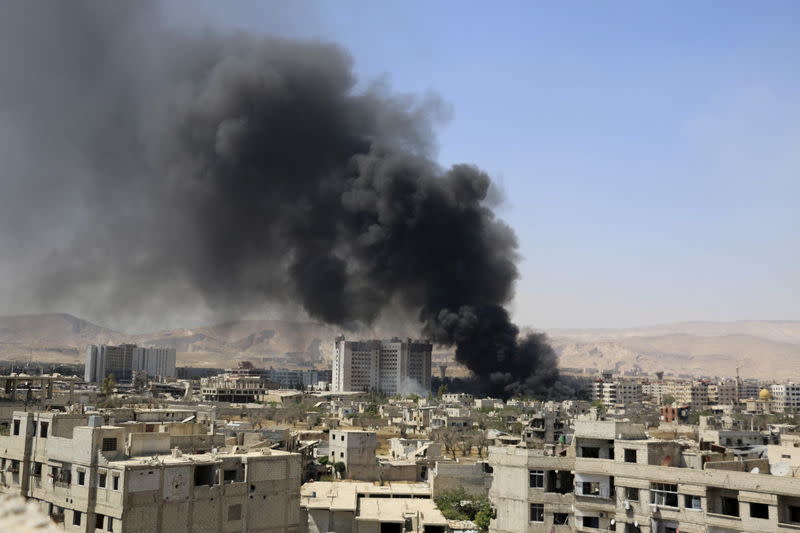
(155,361)
(393,366)
(125,360)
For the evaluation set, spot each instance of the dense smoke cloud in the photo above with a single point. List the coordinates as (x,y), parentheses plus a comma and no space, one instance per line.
(249,171)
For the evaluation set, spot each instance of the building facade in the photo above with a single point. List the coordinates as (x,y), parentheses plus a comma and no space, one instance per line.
(124,361)
(392,366)
(88,477)
(105,360)
(155,361)
(613,478)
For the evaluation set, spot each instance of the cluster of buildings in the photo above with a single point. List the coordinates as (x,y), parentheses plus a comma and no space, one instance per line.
(752,396)
(265,450)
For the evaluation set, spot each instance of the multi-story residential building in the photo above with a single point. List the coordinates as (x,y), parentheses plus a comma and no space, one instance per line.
(93,477)
(615,392)
(694,393)
(125,360)
(786,397)
(392,366)
(612,477)
(155,361)
(236,387)
(356,449)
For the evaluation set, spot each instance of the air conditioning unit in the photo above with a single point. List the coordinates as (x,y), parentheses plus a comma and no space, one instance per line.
(627,505)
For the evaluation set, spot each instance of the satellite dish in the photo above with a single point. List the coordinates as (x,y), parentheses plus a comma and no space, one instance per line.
(781,469)
(755,471)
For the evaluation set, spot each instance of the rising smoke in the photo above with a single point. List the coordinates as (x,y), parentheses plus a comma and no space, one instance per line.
(249,171)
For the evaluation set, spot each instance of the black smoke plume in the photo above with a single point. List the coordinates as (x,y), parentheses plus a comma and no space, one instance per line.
(249,171)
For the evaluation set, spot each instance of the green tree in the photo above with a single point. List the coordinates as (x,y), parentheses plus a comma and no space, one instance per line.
(339,467)
(458,504)
(442,391)
(108,385)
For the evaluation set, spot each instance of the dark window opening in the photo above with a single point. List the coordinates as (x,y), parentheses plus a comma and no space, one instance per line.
(630,456)
(115,482)
(101,480)
(591,521)
(537,512)
(590,452)
(44,429)
(794,513)
(98,521)
(109,444)
(16,427)
(759,510)
(632,494)
(729,506)
(560,519)
(205,475)
(81,477)
(536,479)
(76,518)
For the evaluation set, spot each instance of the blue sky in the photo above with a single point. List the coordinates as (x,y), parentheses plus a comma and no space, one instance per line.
(649,152)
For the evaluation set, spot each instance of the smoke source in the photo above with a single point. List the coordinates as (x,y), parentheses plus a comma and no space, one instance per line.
(250,171)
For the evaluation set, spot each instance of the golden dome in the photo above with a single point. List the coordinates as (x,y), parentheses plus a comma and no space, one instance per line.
(765,394)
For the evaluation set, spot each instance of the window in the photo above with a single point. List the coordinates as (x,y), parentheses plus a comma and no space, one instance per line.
(590,452)
(81,477)
(204,475)
(591,521)
(664,494)
(98,521)
(794,513)
(536,479)
(670,529)
(560,519)
(101,480)
(632,494)
(692,502)
(729,505)
(630,456)
(115,482)
(110,524)
(590,488)
(37,470)
(109,444)
(44,429)
(537,512)
(76,518)
(234,512)
(16,427)
(759,510)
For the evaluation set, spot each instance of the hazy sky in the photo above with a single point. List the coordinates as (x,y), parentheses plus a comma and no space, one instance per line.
(649,153)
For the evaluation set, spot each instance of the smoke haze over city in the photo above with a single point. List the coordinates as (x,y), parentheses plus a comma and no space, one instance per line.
(248,172)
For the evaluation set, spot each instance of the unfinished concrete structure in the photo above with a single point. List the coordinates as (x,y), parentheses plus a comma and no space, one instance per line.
(124,479)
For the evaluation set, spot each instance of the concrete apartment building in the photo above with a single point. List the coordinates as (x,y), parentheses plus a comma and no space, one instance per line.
(392,366)
(786,397)
(93,477)
(353,507)
(613,392)
(356,449)
(125,360)
(614,478)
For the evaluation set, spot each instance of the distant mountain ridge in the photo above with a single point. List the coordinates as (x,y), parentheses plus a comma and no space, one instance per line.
(762,349)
